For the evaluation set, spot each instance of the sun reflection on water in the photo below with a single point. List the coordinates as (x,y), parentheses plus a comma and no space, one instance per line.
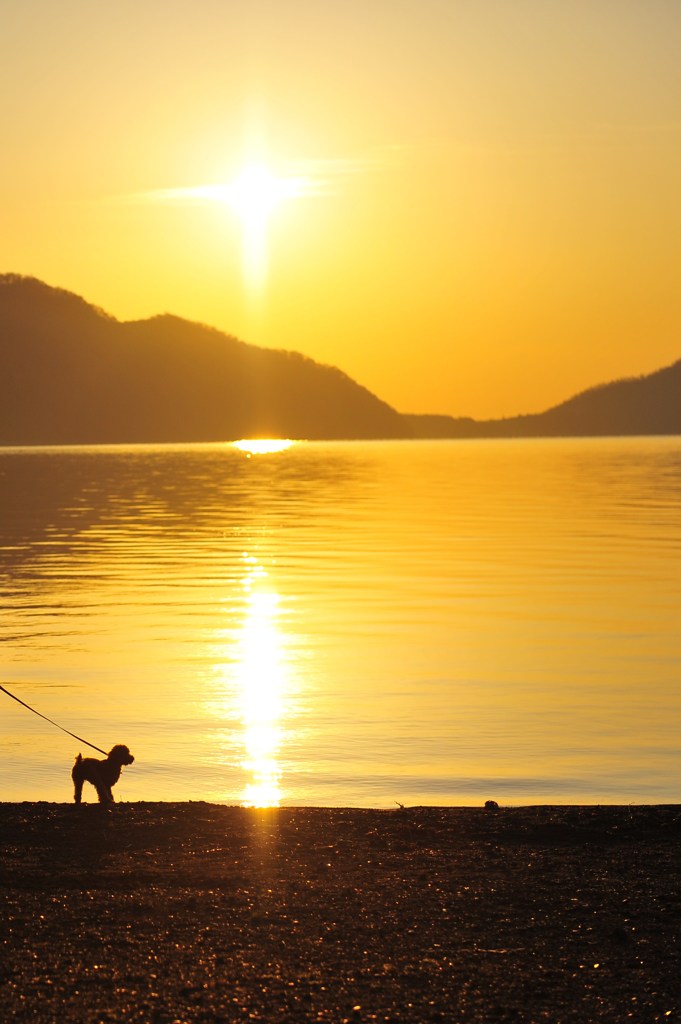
(261,678)
(263,445)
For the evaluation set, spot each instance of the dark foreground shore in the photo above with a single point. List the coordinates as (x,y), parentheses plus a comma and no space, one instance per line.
(162,912)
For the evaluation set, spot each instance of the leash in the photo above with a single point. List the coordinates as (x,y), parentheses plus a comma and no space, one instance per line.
(79,738)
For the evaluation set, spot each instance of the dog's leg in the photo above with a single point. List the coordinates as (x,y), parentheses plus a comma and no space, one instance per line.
(103,792)
(77,779)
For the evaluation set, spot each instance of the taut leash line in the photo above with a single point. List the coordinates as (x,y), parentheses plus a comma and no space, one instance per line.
(79,738)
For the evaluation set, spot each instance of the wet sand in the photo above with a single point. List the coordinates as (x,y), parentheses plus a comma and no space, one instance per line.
(192,912)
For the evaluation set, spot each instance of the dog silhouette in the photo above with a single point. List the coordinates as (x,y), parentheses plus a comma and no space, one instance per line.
(103,774)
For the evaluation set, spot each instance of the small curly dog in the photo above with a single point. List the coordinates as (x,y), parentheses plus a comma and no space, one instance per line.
(102,774)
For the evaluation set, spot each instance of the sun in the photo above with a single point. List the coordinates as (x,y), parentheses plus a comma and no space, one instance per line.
(254,195)
(256,192)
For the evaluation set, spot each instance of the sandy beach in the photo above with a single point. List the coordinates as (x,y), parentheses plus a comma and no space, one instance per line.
(192,912)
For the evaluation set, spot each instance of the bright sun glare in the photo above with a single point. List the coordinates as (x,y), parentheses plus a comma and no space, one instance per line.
(263,445)
(254,195)
(256,192)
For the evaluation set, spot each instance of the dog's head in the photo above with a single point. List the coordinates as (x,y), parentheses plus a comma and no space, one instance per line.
(120,754)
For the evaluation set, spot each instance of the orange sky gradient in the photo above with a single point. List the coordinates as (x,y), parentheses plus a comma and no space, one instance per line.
(490,215)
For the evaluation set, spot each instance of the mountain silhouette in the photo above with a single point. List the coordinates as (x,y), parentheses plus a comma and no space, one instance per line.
(72,374)
(69,373)
(634,406)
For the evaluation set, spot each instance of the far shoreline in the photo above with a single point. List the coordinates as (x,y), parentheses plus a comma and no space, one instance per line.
(50,446)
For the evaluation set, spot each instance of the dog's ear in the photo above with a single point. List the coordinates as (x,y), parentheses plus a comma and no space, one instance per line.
(79,758)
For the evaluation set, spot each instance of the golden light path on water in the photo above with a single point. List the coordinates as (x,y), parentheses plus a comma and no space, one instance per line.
(261,677)
(261,666)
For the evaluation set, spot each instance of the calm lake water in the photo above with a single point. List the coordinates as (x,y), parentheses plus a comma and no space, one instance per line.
(346,623)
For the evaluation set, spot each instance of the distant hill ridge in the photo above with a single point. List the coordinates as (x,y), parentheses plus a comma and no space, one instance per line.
(72,374)
(633,406)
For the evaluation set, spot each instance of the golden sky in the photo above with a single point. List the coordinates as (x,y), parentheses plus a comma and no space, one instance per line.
(470,206)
